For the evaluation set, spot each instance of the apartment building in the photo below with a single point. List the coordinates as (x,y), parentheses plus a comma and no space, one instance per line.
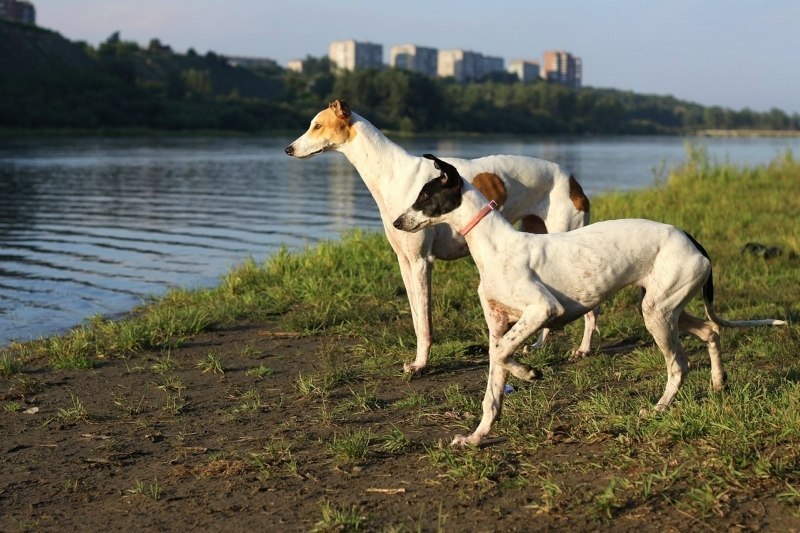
(526,71)
(563,68)
(18,11)
(415,58)
(460,64)
(352,55)
(491,64)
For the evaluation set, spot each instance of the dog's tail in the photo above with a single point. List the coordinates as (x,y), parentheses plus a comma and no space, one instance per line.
(708,301)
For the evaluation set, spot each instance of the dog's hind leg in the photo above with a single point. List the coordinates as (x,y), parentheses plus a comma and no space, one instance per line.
(663,326)
(708,332)
(589,327)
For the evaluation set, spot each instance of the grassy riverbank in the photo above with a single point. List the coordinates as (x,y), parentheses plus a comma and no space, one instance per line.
(277,397)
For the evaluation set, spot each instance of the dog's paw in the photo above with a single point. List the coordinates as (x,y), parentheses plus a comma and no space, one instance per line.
(413,369)
(530,373)
(646,411)
(580,354)
(462,441)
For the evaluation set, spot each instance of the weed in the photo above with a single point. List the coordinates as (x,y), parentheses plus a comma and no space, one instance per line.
(12,407)
(364,400)
(76,413)
(455,399)
(172,383)
(251,401)
(609,500)
(164,364)
(277,453)
(69,485)
(261,371)
(9,365)
(308,385)
(174,403)
(153,490)
(791,496)
(211,364)
(334,519)
(350,447)
(412,400)
(127,406)
(470,463)
(250,351)
(395,441)
(551,493)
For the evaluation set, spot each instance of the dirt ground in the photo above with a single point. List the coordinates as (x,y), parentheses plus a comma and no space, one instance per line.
(129,446)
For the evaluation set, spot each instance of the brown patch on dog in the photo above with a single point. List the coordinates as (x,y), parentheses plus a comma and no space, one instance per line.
(532,224)
(334,123)
(341,109)
(491,186)
(579,200)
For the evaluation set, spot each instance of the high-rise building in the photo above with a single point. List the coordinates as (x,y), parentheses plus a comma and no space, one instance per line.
(563,68)
(491,64)
(415,58)
(352,55)
(526,71)
(18,11)
(460,64)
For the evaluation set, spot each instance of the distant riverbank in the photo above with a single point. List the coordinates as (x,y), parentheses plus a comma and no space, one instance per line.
(748,133)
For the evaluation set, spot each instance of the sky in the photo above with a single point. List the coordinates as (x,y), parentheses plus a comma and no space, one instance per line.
(731,53)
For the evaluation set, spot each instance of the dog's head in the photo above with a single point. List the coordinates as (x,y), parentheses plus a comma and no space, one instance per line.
(331,128)
(438,197)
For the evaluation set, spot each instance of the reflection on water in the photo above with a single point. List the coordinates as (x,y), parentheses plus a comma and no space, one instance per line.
(95,225)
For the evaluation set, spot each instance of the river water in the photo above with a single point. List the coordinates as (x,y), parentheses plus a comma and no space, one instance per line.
(93,225)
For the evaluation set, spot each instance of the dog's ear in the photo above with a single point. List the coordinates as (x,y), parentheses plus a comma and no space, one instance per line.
(449,176)
(434,159)
(341,109)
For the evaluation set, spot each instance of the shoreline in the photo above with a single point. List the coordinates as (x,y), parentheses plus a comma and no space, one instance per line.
(6,133)
(748,133)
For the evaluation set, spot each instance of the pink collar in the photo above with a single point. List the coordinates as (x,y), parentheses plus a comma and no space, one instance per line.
(482,213)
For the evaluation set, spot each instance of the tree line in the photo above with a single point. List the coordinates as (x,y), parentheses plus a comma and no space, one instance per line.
(49,82)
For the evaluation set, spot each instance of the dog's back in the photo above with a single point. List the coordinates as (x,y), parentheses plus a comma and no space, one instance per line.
(528,187)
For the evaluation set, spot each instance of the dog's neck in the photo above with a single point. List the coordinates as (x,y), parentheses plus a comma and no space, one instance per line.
(486,237)
(377,159)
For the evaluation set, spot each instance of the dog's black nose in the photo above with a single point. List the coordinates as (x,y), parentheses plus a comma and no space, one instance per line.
(289,150)
(398,222)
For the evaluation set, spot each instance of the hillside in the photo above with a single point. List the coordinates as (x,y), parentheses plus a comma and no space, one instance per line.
(49,82)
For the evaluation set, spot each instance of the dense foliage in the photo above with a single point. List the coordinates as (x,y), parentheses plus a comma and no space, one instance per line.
(50,82)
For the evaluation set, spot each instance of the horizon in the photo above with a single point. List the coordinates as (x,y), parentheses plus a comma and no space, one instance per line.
(715,54)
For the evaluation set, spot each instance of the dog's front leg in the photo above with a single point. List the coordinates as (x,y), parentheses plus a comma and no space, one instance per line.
(417,280)
(500,362)
(492,404)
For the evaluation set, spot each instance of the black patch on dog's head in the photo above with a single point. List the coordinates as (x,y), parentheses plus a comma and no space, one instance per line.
(440,195)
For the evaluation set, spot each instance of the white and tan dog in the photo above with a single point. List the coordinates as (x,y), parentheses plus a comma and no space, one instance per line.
(539,281)
(537,193)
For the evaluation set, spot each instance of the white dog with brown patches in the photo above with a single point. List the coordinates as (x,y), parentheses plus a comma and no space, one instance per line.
(529,282)
(537,193)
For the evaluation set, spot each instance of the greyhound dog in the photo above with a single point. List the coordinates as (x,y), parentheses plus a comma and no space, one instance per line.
(536,281)
(537,193)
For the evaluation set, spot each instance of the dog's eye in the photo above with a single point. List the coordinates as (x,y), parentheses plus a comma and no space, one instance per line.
(423,196)
(317,126)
